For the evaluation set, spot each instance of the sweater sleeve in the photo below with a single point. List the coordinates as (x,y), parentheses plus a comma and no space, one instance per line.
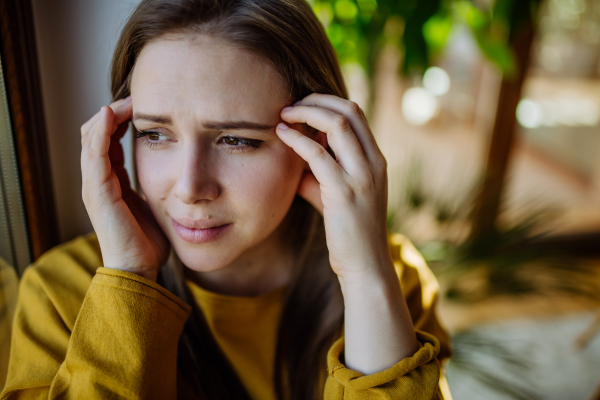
(416,377)
(123,343)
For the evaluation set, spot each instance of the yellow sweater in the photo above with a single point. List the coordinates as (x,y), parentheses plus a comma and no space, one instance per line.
(8,301)
(82,331)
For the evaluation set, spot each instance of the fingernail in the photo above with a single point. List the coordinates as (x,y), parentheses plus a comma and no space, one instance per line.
(287,108)
(127,100)
(296,103)
(282,126)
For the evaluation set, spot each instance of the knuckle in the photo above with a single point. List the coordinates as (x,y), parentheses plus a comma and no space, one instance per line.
(311,96)
(354,108)
(319,151)
(342,123)
(381,165)
(348,193)
(367,184)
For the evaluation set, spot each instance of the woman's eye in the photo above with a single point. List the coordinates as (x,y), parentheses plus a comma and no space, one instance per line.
(239,144)
(155,136)
(151,138)
(231,140)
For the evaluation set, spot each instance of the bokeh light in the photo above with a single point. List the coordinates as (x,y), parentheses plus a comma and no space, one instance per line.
(419,106)
(436,81)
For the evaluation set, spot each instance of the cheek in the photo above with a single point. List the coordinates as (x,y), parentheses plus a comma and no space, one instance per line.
(266,185)
(153,171)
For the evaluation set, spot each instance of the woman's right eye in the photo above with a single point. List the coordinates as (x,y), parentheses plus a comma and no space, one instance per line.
(152,138)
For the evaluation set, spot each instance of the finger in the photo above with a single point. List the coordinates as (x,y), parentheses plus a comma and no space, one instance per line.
(100,135)
(123,110)
(86,127)
(355,116)
(323,166)
(340,136)
(86,140)
(310,190)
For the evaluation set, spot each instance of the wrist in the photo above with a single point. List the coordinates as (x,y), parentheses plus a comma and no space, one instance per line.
(381,280)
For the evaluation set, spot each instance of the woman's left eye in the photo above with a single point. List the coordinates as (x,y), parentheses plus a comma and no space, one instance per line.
(241,144)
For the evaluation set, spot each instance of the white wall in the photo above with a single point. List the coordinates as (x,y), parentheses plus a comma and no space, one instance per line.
(75,40)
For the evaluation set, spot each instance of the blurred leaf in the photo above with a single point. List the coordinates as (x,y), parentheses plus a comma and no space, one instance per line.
(498,52)
(436,31)
(491,33)
(367,7)
(324,12)
(416,51)
(346,10)
(420,28)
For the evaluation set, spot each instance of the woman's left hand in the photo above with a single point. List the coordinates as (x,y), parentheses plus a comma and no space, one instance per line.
(351,190)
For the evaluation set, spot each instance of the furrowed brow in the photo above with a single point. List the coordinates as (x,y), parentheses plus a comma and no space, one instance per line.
(221,126)
(235,125)
(160,119)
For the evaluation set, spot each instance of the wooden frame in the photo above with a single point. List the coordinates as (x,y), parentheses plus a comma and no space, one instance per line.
(20,65)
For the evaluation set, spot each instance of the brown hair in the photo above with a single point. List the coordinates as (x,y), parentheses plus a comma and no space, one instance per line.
(287,34)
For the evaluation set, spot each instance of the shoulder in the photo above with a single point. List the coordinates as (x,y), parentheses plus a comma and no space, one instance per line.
(62,276)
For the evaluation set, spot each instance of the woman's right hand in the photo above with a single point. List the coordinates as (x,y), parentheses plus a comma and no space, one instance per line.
(130,238)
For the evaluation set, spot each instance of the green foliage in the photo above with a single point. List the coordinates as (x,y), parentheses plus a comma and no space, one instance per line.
(491,30)
(436,31)
(358,29)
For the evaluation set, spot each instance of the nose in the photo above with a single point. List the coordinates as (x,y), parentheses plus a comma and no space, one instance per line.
(196,182)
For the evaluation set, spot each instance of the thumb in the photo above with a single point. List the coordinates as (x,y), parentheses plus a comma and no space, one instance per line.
(310,190)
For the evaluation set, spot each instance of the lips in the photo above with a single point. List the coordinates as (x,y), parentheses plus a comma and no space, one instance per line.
(201,231)
(196,224)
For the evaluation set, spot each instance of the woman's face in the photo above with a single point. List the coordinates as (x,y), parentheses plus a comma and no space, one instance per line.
(217,178)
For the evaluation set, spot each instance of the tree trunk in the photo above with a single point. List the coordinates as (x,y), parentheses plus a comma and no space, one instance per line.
(503,135)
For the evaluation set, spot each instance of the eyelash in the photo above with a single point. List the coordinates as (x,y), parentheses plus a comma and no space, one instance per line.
(247,144)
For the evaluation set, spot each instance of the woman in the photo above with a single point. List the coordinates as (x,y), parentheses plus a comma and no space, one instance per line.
(256,262)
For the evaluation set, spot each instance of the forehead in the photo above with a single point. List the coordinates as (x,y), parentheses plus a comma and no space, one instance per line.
(208,78)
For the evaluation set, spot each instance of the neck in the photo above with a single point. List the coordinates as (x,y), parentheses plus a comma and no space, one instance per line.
(258,271)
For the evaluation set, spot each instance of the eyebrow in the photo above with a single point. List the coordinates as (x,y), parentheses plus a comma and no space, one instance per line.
(225,125)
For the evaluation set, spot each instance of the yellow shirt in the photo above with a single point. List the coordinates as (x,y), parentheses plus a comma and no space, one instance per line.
(8,301)
(84,331)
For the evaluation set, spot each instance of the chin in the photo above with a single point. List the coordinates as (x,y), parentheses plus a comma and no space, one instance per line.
(205,259)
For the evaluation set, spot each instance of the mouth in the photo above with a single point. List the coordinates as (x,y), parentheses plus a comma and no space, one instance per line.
(198,231)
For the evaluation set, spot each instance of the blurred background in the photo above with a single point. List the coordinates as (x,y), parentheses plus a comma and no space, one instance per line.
(488,112)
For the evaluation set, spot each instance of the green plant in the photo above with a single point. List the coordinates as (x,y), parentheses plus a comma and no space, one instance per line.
(358,29)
